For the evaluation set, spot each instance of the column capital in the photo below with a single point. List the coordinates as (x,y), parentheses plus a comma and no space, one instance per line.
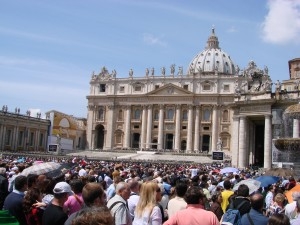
(178,106)
(268,116)
(149,106)
(190,106)
(111,107)
(161,106)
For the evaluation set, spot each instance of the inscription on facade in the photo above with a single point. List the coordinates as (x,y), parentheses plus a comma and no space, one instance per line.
(262,108)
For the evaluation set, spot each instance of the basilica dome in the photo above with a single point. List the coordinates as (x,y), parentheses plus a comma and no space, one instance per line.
(212,59)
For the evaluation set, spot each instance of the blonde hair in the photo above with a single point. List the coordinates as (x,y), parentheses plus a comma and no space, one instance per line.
(147,199)
(279,198)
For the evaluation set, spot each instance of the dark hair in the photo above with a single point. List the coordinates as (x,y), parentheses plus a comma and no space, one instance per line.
(257,201)
(227,184)
(30,198)
(181,188)
(20,182)
(31,179)
(90,192)
(215,196)
(76,185)
(94,215)
(193,195)
(279,219)
(243,190)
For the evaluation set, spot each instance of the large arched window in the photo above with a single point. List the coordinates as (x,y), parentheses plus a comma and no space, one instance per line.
(206,115)
(137,114)
(156,115)
(184,115)
(170,114)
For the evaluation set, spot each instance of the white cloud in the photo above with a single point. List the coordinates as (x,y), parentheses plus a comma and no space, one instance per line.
(282,23)
(232,29)
(152,40)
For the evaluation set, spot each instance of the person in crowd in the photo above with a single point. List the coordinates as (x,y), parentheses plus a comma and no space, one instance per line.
(14,172)
(33,214)
(270,195)
(291,183)
(147,212)
(216,204)
(279,219)
(296,220)
(93,196)
(32,181)
(134,195)
(290,209)
(118,205)
(241,201)
(226,194)
(111,190)
(54,213)
(3,186)
(14,200)
(94,215)
(75,201)
(82,172)
(166,194)
(195,213)
(178,203)
(159,193)
(256,211)
(107,178)
(277,206)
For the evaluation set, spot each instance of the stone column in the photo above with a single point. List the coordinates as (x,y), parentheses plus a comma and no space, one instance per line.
(110,130)
(161,128)
(189,144)
(127,128)
(295,128)
(149,127)
(215,122)
(197,132)
(177,128)
(235,142)
(143,128)
(268,142)
(242,143)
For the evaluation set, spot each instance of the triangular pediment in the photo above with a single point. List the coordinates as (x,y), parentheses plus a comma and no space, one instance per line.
(170,89)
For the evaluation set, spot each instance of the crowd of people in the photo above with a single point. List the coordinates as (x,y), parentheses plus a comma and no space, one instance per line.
(133,193)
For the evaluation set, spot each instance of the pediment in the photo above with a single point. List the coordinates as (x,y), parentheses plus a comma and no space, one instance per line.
(170,89)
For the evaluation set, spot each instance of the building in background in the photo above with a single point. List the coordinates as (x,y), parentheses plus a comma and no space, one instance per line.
(67,132)
(214,105)
(23,133)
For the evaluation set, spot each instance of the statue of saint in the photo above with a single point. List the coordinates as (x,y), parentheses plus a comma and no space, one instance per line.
(163,71)
(278,85)
(147,72)
(130,72)
(152,71)
(172,69)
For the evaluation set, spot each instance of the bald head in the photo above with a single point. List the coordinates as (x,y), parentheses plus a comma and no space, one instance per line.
(257,201)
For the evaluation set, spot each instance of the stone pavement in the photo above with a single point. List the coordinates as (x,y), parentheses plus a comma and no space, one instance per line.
(142,156)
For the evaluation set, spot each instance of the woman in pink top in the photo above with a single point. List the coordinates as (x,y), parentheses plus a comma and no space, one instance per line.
(75,201)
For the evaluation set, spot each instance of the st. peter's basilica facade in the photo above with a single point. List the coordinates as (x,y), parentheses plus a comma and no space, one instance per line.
(213,106)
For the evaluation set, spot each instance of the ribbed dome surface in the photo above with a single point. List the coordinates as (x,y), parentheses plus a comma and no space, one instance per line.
(212,59)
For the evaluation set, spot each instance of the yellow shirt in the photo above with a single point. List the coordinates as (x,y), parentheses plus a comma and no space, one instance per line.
(225,196)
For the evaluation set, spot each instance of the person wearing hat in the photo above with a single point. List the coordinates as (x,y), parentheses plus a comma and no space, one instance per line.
(54,213)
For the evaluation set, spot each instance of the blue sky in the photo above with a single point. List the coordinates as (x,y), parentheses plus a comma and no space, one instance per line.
(49,49)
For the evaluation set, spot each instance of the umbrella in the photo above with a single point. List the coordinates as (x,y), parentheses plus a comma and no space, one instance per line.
(267,180)
(229,170)
(280,172)
(41,168)
(252,184)
(289,193)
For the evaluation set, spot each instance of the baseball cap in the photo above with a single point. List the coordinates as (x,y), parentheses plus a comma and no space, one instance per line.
(62,187)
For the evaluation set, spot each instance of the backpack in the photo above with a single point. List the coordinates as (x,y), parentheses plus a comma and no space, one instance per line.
(232,215)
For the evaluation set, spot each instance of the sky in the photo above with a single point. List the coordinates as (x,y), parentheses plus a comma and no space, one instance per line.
(49,49)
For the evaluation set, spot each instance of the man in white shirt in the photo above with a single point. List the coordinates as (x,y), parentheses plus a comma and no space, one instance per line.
(178,203)
(134,195)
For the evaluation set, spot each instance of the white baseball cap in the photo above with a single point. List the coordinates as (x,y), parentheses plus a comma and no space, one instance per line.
(62,187)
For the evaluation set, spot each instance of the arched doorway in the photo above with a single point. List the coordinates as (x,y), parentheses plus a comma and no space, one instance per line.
(136,140)
(169,141)
(183,145)
(99,141)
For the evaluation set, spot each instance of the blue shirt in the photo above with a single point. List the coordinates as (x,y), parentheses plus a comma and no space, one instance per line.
(257,217)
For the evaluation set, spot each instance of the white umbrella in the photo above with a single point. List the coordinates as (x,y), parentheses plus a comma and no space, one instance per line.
(41,168)
(253,185)
(229,170)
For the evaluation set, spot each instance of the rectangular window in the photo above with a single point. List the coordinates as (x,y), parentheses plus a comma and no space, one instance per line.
(156,87)
(136,126)
(206,87)
(20,138)
(186,87)
(226,87)
(7,137)
(137,88)
(102,87)
(31,142)
(41,141)
(122,89)
(183,127)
